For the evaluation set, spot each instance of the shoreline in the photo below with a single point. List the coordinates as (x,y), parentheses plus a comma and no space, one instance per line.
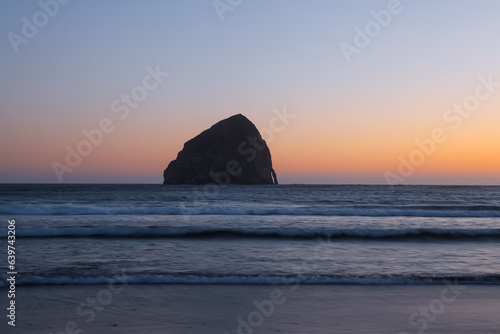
(196,309)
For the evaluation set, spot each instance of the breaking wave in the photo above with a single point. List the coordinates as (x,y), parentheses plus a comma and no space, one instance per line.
(248,232)
(263,279)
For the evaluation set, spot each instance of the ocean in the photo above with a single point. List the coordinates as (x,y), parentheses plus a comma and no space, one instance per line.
(194,259)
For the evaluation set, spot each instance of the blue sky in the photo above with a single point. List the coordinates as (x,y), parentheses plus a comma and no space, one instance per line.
(263,55)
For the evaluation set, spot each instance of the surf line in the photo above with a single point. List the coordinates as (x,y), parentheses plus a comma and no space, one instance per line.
(266,308)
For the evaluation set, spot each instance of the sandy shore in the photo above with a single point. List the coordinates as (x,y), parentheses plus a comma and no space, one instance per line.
(198,309)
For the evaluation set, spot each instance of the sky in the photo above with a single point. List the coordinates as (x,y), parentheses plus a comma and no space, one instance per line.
(369,92)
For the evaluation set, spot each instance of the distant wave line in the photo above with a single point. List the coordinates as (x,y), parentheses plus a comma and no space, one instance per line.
(471,211)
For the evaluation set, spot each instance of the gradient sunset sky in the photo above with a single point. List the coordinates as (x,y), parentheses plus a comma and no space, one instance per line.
(355,121)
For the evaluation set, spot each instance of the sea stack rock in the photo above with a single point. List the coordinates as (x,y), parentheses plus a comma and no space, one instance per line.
(230,152)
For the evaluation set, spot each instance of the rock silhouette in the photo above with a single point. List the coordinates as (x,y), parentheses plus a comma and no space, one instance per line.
(231,152)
